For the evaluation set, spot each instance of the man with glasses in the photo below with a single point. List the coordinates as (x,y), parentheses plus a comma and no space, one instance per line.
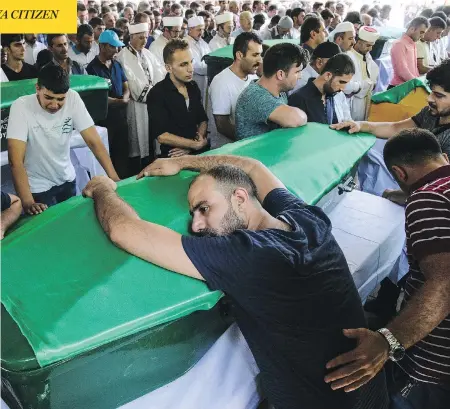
(172,29)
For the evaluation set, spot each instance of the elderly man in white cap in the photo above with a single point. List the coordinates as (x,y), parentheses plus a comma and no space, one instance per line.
(344,36)
(199,49)
(282,31)
(224,28)
(172,29)
(143,71)
(366,73)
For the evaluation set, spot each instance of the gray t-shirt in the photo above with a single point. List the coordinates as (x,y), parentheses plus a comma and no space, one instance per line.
(253,108)
(429,122)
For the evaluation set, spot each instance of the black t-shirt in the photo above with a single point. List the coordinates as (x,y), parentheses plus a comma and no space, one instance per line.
(427,121)
(293,294)
(168,111)
(28,71)
(6,201)
(309,100)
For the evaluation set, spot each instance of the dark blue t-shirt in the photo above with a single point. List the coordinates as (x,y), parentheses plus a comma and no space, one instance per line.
(6,201)
(293,294)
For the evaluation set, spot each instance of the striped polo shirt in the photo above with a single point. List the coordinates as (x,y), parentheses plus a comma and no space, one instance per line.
(428,232)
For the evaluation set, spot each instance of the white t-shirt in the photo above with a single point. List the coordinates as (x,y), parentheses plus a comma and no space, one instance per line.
(224,91)
(423,51)
(47,156)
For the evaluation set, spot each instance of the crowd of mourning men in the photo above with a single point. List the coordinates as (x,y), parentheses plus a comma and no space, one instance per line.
(163,111)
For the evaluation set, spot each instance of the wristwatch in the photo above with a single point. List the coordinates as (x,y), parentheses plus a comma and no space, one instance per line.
(396,350)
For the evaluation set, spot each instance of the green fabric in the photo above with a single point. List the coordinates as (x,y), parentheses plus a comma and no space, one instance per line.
(70,289)
(12,90)
(396,94)
(227,52)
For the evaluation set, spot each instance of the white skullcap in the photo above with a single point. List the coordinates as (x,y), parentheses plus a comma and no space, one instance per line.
(369,34)
(196,21)
(172,21)
(224,18)
(344,27)
(139,28)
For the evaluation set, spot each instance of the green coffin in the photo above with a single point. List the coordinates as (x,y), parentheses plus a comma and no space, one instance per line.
(93,90)
(396,94)
(77,298)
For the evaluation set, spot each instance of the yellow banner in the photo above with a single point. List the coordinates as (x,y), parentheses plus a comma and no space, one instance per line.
(38,16)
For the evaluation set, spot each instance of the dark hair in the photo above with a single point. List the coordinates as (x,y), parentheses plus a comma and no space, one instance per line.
(165,2)
(54,78)
(426,13)
(329,3)
(122,22)
(446,10)
(84,29)
(316,5)
(440,14)
(255,3)
(138,16)
(50,38)
(172,46)
(118,31)
(296,12)
(204,14)
(273,7)
(418,21)
(193,5)
(437,22)
(188,12)
(310,24)
(209,6)
(120,6)
(229,178)
(340,64)
(156,13)
(92,10)
(275,19)
(105,10)
(439,75)
(175,6)
(43,58)
(411,147)
(259,19)
(326,14)
(242,41)
(148,12)
(95,22)
(354,17)
(7,39)
(81,7)
(281,57)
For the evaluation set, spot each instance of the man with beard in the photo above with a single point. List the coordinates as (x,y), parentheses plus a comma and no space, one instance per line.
(32,48)
(15,68)
(171,30)
(417,339)
(227,86)
(178,120)
(366,73)
(273,255)
(83,52)
(143,71)
(58,45)
(322,98)
(262,106)
(224,28)
(435,118)
(344,36)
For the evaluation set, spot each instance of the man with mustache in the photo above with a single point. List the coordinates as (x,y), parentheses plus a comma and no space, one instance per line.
(273,255)
(322,98)
(227,86)
(59,46)
(32,48)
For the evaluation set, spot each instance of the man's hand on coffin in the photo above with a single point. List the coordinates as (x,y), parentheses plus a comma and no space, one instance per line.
(98,183)
(33,208)
(360,365)
(350,126)
(161,167)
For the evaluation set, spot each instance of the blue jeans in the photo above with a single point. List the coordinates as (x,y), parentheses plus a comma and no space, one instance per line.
(56,194)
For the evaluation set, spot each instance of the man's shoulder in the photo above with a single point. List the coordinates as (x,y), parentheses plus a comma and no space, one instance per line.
(219,80)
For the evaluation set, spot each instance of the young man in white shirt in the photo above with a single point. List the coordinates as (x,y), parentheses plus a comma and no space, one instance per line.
(426,55)
(32,48)
(39,131)
(227,86)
